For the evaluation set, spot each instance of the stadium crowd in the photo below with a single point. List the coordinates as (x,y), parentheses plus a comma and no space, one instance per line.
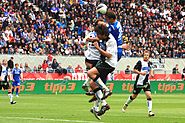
(58,27)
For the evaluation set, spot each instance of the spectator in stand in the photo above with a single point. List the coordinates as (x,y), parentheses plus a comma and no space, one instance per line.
(44,66)
(78,69)
(49,59)
(39,68)
(50,70)
(175,69)
(11,63)
(70,69)
(127,70)
(27,68)
(21,68)
(35,69)
(55,64)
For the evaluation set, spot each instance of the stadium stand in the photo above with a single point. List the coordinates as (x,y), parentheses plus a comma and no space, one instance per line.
(57,27)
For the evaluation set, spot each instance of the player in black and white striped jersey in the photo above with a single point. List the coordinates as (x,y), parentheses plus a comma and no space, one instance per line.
(5,78)
(143,68)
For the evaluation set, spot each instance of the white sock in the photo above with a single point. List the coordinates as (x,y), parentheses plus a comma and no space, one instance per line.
(96,105)
(11,97)
(149,103)
(100,82)
(87,81)
(104,102)
(128,100)
(99,95)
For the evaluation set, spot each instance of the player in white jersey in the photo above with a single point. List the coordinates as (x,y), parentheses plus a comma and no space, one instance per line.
(104,67)
(4,80)
(92,57)
(143,69)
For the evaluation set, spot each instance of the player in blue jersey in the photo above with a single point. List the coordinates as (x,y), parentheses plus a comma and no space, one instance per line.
(16,79)
(115,29)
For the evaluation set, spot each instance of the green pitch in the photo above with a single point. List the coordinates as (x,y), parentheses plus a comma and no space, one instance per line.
(75,109)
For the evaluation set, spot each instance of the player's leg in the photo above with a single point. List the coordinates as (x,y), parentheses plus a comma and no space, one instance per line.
(97,103)
(106,92)
(85,85)
(10,95)
(104,69)
(136,91)
(105,107)
(99,95)
(17,90)
(102,82)
(89,64)
(13,87)
(149,100)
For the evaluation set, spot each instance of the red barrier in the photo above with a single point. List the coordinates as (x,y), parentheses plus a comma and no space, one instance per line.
(83,76)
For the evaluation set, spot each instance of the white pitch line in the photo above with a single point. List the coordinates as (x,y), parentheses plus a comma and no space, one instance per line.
(156,116)
(46,119)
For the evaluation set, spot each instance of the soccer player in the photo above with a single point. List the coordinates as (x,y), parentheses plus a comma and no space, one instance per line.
(92,57)
(115,29)
(17,76)
(4,80)
(143,69)
(103,67)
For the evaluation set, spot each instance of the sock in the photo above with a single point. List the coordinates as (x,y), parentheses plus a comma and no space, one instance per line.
(104,102)
(149,103)
(17,90)
(100,82)
(96,105)
(99,95)
(87,81)
(12,90)
(11,97)
(129,100)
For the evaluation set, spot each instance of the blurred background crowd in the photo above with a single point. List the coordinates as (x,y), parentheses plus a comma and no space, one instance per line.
(58,27)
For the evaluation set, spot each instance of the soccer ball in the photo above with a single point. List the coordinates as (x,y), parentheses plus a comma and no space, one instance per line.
(101,8)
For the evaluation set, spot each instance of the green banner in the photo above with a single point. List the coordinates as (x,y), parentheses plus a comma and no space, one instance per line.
(74,87)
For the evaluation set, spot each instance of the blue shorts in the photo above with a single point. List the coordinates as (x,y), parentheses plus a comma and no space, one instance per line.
(15,83)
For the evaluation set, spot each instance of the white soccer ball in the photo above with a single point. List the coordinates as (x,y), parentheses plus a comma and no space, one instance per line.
(101,8)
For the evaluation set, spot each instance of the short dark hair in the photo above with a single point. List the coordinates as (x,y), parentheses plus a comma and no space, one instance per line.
(98,20)
(146,51)
(110,14)
(102,29)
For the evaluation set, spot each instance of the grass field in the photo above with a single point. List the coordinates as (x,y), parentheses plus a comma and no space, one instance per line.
(75,109)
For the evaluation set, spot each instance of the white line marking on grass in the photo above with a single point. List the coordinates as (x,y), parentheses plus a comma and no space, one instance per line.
(46,119)
(156,116)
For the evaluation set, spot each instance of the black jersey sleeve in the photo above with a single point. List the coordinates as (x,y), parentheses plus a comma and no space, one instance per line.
(138,66)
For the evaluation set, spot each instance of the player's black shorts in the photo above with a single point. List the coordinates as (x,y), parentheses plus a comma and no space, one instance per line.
(4,85)
(93,62)
(138,89)
(104,69)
